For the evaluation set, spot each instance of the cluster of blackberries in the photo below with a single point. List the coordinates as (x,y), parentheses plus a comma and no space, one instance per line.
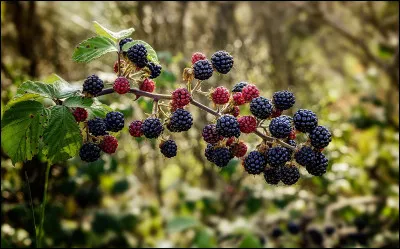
(98,129)
(221,61)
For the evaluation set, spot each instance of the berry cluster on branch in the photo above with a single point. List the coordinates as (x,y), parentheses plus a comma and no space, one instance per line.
(278,155)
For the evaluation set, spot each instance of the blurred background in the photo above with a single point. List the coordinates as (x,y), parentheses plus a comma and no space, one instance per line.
(339,58)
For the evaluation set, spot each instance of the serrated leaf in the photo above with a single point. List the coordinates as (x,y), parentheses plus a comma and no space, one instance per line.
(250,241)
(21,129)
(151,53)
(25,97)
(103,31)
(78,101)
(179,224)
(98,110)
(62,137)
(53,78)
(37,88)
(93,48)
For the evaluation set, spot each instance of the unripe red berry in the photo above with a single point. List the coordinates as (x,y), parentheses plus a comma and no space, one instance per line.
(230,141)
(292,134)
(147,85)
(239,149)
(247,124)
(235,111)
(109,144)
(220,95)
(121,85)
(181,97)
(249,92)
(135,128)
(80,114)
(116,66)
(238,98)
(198,56)
(173,106)
(276,113)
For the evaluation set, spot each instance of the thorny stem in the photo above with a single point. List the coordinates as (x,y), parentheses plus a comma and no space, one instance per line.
(157,96)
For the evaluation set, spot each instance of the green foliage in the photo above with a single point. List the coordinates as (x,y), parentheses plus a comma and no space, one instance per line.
(77,101)
(179,224)
(151,53)
(62,136)
(101,30)
(93,48)
(250,241)
(22,129)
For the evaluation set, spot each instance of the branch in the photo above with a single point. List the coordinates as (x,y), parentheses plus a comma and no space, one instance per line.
(157,96)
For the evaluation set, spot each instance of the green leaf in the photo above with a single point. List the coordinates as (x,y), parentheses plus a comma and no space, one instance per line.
(250,241)
(62,136)
(151,53)
(62,88)
(98,110)
(101,30)
(204,239)
(39,89)
(93,48)
(179,224)
(53,78)
(21,129)
(78,101)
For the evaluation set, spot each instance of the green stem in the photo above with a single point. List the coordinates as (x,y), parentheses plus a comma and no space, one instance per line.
(46,183)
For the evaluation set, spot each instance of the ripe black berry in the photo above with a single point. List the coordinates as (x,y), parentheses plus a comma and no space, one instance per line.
(228,126)
(329,230)
(305,120)
(202,69)
(254,163)
(93,85)
(280,127)
(138,55)
(316,236)
(261,107)
(222,156)
(318,167)
(290,174)
(124,41)
(168,148)
(114,121)
(305,156)
(209,153)
(155,70)
(239,87)
(272,175)
(292,143)
(283,100)
(89,152)
(210,134)
(97,127)
(276,232)
(293,228)
(180,120)
(277,156)
(152,128)
(320,137)
(222,61)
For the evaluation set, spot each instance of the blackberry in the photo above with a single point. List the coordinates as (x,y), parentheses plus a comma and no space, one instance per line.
(238,87)
(138,55)
(152,128)
(147,85)
(329,230)
(209,153)
(89,152)
(222,156)
(222,61)
(272,175)
(293,228)
(124,41)
(276,232)
(210,134)
(168,148)
(292,143)
(290,174)
(280,127)
(277,156)
(305,120)
(109,144)
(202,69)
(247,124)
(114,121)
(121,85)
(135,128)
(80,114)
(181,97)
(228,126)
(97,127)
(320,137)
(361,222)
(261,107)
(220,95)
(238,149)
(93,85)
(155,70)
(316,236)
(180,120)
(198,56)
(254,163)
(305,156)
(238,99)
(283,100)
(318,167)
